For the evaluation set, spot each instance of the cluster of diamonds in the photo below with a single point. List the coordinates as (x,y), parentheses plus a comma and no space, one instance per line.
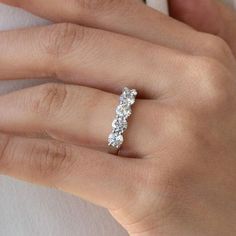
(123,111)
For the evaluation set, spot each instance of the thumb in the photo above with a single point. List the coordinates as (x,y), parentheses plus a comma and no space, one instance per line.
(208,16)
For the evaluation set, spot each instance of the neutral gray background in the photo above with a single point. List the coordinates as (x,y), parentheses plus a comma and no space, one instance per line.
(27,210)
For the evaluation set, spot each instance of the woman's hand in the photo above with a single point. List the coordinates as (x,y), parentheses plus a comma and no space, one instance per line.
(180,178)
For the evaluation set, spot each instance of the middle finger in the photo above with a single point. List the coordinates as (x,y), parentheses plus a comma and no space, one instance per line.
(89,57)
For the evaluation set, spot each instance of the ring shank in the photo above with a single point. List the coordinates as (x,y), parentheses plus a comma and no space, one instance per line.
(113,150)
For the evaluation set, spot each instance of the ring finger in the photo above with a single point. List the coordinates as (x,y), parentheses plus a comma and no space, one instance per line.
(74,114)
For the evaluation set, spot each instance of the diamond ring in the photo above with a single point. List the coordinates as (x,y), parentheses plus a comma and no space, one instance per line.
(120,123)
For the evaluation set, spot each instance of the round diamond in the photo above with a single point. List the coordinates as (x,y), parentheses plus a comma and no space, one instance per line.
(123,111)
(119,125)
(134,92)
(128,96)
(115,140)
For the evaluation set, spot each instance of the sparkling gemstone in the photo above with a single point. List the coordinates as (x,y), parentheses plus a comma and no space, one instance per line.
(119,125)
(115,140)
(124,111)
(128,96)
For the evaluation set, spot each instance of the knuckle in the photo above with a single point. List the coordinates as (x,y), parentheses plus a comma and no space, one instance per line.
(214,83)
(55,160)
(49,100)
(61,38)
(182,127)
(179,123)
(216,47)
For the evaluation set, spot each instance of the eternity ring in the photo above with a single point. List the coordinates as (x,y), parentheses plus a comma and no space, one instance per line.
(120,123)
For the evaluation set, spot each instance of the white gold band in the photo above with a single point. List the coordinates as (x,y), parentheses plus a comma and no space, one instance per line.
(120,123)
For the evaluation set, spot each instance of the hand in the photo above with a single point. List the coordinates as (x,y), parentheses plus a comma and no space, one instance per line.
(180,178)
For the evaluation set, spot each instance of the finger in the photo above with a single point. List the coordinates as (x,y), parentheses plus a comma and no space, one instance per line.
(209,16)
(75,114)
(126,17)
(98,177)
(88,57)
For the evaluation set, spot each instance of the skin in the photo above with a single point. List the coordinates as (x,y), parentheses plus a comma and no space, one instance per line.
(176,174)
